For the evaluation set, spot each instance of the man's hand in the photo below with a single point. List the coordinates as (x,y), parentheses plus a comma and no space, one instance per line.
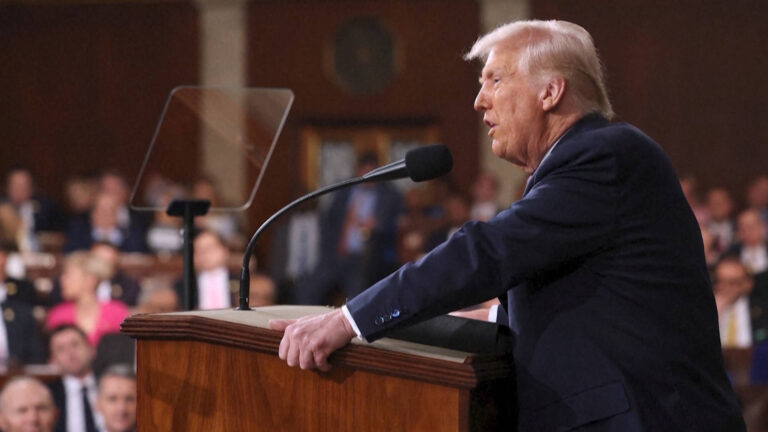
(309,341)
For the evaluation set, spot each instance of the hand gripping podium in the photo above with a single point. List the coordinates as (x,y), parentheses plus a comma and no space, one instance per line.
(219,371)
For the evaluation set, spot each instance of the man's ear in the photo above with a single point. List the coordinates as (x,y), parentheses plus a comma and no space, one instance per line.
(552,93)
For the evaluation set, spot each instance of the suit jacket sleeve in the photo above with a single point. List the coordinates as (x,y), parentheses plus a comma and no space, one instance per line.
(567,215)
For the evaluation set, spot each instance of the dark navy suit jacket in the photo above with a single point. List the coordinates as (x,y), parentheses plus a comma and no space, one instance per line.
(601,269)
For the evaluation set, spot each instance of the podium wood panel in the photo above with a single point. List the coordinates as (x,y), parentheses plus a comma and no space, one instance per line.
(196,373)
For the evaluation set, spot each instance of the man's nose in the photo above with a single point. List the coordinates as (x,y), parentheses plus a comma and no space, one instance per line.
(481,101)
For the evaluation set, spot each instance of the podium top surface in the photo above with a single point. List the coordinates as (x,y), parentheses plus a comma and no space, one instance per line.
(259,317)
(250,330)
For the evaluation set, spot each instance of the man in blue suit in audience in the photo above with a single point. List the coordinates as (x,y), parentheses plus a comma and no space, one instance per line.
(599,267)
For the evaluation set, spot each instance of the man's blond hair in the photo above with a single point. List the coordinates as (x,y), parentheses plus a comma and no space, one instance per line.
(554,47)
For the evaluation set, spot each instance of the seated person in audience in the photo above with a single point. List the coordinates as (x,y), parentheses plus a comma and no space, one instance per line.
(79,280)
(103,225)
(358,239)
(216,288)
(164,235)
(26,405)
(720,224)
(10,287)
(80,191)
(114,184)
(457,214)
(11,234)
(752,247)
(20,342)
(757,196)
(412,225)
(710,254)
(117,398)
(688,185)
(485,191)
(741,308)
(38,213)
(158,298)
(75,392)
(222,223)
(119,286)
(262,290)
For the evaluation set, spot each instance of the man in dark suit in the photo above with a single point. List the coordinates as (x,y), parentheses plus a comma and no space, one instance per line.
(599,267)
(357,240)
(38,212)
(74,394)
(742,303)
(103,225)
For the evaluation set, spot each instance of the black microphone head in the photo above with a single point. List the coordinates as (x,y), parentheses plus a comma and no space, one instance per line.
(428,162)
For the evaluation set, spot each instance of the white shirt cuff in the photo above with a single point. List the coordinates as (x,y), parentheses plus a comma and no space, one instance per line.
(493,313)
(351,321)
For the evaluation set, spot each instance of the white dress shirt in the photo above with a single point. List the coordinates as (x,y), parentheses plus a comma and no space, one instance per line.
(213,289)
(75,411)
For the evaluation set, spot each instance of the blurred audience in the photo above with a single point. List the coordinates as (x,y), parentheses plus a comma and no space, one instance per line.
(413,225)
(216,288)
(485,192)
(720,223)
(80,191)
(262,290)
(740,306)
(26,405)
(117,286)
(75,392)
(358,239)
(20,342)
(157,297)
(103,225)
(164,235)
(112,183)
(752,247)
(117,398)
(688,184)
(295,249)
(14,288)
(223,223)
(456,214)
(757,196)
(38,213)
(79,280)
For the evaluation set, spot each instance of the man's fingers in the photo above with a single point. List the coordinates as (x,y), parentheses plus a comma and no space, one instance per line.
(280,324)
(321,361)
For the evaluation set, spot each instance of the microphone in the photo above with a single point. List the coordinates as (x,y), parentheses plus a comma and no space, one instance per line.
(420,164)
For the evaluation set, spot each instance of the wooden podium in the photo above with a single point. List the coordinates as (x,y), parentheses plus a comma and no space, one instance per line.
(219,371)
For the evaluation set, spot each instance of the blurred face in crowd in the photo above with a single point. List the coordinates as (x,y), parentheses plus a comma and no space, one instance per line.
(160,301)
(210,253)
(76,282)
(104,213)
(262,291)
(71,352)
(26,406)
(757,194)
(509,99)
(720,204)
(457,210)
(19,186)
(108,253)
(485,188)
(751,228)
(117,403)
(732,279)
(709,242)
(114,186)
(204,190)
